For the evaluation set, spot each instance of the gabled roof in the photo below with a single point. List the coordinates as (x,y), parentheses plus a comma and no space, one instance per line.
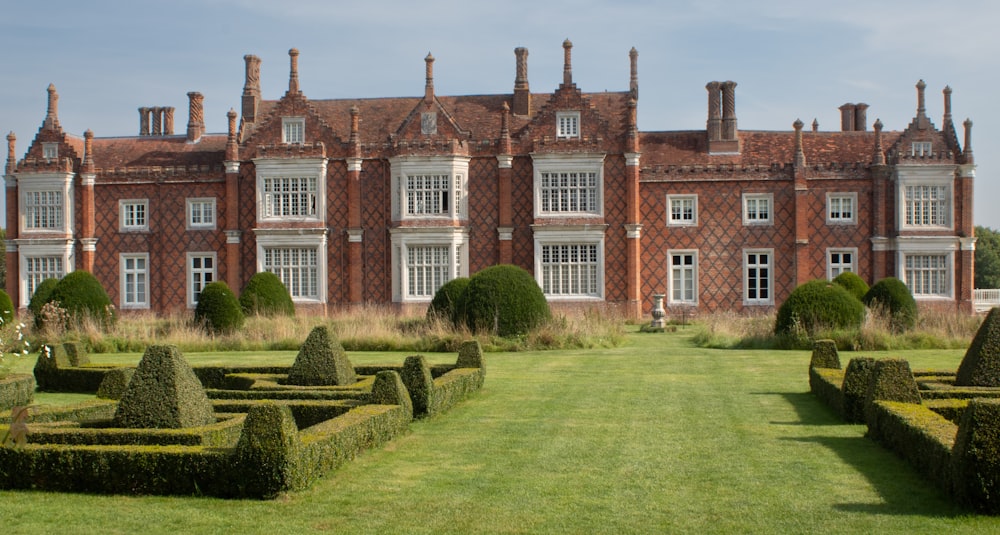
(157,151)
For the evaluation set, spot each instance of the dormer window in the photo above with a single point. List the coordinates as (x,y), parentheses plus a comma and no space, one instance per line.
(568,124)
(50,151)
(293,130)
(921,148)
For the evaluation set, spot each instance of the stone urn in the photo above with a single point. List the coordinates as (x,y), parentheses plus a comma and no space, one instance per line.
(658,312)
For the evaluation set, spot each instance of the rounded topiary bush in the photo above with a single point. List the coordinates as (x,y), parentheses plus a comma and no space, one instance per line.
(41,296)
(853,283)
(6,307)
(444,306)
(266,295)
(816,305)
(504,300)
(81,295)
(218,310)
(892,294)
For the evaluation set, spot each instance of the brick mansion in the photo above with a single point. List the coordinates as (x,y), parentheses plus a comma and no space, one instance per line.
(382,200)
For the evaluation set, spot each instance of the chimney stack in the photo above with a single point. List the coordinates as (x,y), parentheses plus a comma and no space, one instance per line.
(567,62)
(522,95)
(921,108)
(968,142)
(714,112)
(168,121)
(947,105)
(633,85)
(878,157)
(293,76)
(196,116)
(429,78)
(860,117)
(722,133)
(847,117)
(143,121)
(729,111)
(157,121)
(251,88)
(11,159)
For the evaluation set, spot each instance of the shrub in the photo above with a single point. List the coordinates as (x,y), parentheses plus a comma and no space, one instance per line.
(164,393)
(891,294)
(267,451)
(6,308)
(218,310)
(816,305)
(115,383)
(976,457)
(41,296)
(266,295)
(444,306)
(853,283)
(981,364)
(321,362)
(855,388)
(81,295)
(504,300)
(891,380)
(825,355)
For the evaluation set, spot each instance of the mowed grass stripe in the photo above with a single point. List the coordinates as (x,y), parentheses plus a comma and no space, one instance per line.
(656,436)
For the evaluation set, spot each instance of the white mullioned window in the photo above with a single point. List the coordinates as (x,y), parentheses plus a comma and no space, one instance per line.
(43,210)
(927,274)
(921,148)
(567,124)
(134,280)
(758,208)
(927,205)
(39,268)
(683,281)
(427,269)
(200,272)
(428,194)
(297,267)
(569,192)
(290,196)
(201,213)
(134,214)
(841,208)
(758,277)
(840,260)
(682,209)
(50,151)
(293,129)
(570,270)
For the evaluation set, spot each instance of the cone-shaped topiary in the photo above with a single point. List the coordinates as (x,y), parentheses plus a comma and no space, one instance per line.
(6,307)
(891,380)
(321,361)
(852,283)
(444,306)
(857,376)
(52,357)
(816,305)
(218,310)
(470,355)
(266,295)
(893,295)
(80,294)
(41,296)
(504,300)
(115,383)
(981,364)
(388,389)
(416,375)
(164,393)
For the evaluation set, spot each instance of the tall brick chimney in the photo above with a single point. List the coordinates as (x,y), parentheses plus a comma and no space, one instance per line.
(567,62)
(522,95)
(52,115)
(251,88)
(847,117)
(144,121)
(196,116)
(293,75)
(860,117)
(723,136)
(168,121)
(633,84)
(714,112)
(429,78)
(729,111)
(11,160)
(157,121)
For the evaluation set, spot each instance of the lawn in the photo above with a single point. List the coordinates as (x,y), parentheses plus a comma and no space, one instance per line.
(656,436)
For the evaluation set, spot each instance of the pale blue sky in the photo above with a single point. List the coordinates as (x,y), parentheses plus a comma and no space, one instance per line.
(791,59)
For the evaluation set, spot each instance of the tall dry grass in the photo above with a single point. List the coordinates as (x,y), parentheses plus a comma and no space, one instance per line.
(934,330)
(370,328)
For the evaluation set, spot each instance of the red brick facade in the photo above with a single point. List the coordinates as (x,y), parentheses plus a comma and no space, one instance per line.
(379,201)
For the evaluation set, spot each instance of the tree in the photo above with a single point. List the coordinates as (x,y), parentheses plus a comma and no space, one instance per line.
(987,258)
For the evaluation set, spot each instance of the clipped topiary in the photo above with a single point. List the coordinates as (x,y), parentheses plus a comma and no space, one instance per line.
(444,306)
(6,307)
(853,283)
(115,383)
(975,458)
(857,376)
(891,294)
(416,375)
(470,355)
(52,357)
(981,364)
(321,361)
(388,389)
(41,296)
(891,380)
(266,295)
(817,305)
(164,393)
(218,310)
(267,451)
(80,294)
(504,300)
(825,355)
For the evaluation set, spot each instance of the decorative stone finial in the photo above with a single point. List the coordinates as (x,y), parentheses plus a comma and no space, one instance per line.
(878,157)
(52,115)
(800,155)
(921,108)
(968,142)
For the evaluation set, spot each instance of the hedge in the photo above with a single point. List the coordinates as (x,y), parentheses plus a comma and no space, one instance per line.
(891,380)
(981,364)
(976,459)
(164,393)
(825,384)
(16,390)
(855,387)
(921,436)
